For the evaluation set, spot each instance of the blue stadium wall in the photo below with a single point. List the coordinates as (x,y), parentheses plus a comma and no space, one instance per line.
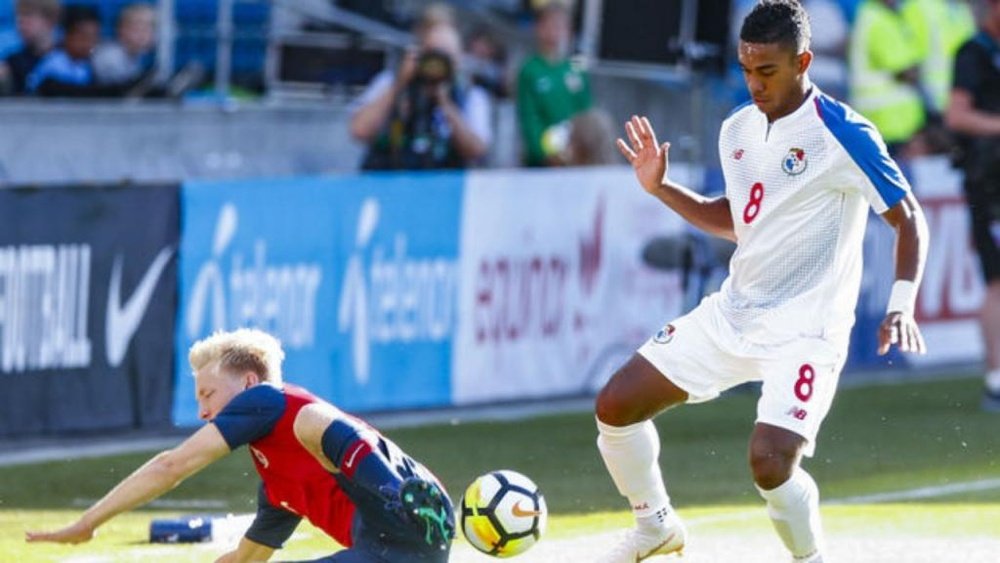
(389,291)
(401,291)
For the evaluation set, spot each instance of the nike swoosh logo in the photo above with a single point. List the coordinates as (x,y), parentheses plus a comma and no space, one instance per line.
(518,511)
(354,454)
(121,322)
(669,539)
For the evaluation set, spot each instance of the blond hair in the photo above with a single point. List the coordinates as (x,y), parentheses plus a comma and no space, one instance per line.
(238,351)
(136,10)
(433,15)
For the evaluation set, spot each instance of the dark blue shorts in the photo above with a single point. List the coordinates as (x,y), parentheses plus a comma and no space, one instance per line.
(386,542)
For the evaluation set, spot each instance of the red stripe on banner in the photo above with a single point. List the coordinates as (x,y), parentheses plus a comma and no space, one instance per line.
(952,288)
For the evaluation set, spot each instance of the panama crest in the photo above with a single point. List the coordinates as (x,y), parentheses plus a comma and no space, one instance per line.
(665,334)
(794,162)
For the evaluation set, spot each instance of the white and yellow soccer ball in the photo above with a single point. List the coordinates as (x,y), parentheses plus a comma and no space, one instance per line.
(503,513)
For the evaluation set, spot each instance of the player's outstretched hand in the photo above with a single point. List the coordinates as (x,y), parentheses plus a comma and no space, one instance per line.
(902,330)
(648,159)
(77,532)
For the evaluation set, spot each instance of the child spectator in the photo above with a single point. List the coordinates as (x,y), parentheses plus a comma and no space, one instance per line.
(130,55)
(69,66)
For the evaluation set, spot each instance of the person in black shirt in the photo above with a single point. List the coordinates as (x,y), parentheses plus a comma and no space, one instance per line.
(974,115)
(36,25)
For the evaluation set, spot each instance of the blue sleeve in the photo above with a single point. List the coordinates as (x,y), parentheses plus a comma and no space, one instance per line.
(272,526)
(39,74)
(251,415)
(887,185)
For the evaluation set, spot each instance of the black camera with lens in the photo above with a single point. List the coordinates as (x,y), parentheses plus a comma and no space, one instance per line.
(433,68)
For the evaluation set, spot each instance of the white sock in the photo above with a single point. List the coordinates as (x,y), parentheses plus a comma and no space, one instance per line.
(794,510)
(631,455)
(993,381)
(656,523)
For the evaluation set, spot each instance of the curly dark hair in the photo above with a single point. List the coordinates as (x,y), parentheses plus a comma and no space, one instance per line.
(778,21)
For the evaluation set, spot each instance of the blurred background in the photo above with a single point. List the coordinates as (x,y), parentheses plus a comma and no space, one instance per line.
(421,199)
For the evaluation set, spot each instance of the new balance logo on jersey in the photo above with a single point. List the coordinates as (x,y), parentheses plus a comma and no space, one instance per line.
(797,413)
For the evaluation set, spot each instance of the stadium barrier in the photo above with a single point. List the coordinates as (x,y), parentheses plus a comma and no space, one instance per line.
(395,291)
(389,291)
(401,291)
(87,305)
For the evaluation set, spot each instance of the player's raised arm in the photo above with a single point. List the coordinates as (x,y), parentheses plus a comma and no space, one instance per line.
(650,161)
(899,327)
(157,476)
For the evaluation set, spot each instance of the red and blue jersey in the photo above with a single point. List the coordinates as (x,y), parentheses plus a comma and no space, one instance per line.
(293,480)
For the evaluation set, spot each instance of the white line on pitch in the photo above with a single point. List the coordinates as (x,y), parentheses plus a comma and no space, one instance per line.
(922,492)
(891,496)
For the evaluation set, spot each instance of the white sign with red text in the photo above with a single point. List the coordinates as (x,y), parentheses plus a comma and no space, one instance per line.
(553,292)
(952,290)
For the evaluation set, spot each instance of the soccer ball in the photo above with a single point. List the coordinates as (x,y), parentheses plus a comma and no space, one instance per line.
(503,513)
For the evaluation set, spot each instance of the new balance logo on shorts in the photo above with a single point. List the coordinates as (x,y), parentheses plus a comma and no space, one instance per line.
(797,413)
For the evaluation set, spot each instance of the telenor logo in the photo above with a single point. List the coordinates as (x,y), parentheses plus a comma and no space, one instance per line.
(387,296)
(278,298)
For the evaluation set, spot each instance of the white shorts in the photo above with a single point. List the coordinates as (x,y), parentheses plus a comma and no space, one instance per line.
(702,354)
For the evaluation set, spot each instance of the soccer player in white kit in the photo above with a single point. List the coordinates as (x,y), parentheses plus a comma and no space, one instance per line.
(801,171)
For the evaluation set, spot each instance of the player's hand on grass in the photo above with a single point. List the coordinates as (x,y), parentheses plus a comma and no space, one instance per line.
(647,157)
(902,330)
(78,532)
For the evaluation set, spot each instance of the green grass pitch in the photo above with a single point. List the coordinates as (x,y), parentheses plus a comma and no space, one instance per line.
(924,447)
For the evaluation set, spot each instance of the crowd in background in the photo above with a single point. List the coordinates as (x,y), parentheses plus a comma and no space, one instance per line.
(892,60)
(434,110)
(62,54)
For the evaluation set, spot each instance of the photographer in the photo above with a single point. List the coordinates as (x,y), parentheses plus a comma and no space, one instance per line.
(424,116)
(974,114)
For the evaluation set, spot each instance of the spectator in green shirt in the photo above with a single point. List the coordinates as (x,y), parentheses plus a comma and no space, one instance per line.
(551,89)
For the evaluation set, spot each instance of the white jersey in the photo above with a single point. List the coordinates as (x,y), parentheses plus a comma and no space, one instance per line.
(799,191)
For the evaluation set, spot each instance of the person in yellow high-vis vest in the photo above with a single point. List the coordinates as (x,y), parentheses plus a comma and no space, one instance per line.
(884,72)
(939,28)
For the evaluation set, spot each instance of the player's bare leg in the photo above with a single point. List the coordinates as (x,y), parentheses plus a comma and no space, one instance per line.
(791,494)
(630,446)
(990,323)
